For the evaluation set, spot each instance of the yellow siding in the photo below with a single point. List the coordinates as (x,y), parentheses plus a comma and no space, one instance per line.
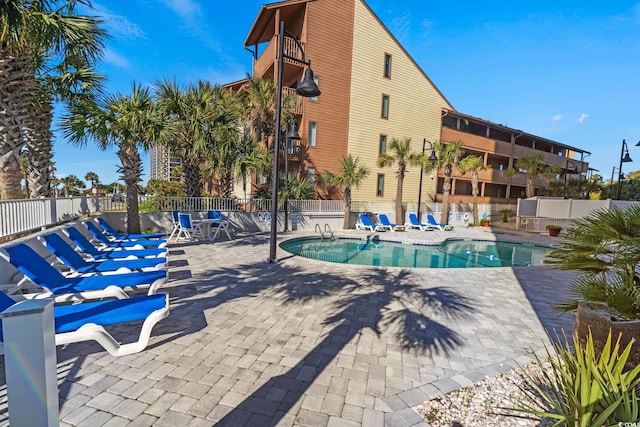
(414,107)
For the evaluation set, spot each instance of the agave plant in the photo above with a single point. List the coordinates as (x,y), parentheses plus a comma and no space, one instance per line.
(583,387)
(604,250)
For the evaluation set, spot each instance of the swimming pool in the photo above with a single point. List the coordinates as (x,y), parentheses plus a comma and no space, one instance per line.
(452,253)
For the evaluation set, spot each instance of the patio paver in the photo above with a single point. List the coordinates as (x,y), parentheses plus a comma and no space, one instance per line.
(303,342)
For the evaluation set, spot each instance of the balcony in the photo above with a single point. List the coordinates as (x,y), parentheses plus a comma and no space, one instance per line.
(292,101)
(270,55)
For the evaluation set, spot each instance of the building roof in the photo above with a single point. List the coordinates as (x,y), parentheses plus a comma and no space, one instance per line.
(262,30)
(512,130)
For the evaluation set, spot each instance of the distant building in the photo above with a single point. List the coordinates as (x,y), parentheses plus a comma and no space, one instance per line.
(161,163)
(373,91)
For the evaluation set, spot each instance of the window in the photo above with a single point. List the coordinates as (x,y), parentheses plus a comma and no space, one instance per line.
(315,79)
(382,148)
(380,186)
(385,106)
(311,176)
(387,65)
(313,131)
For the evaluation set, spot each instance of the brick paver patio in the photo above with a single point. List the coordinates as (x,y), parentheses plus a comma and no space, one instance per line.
(309,343)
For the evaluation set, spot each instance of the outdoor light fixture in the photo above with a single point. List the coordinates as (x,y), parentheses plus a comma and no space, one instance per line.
(624,158)
(292,134)
(432,158)
(306,88)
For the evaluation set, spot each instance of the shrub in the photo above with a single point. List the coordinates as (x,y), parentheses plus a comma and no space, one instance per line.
(554,227)
(506,214)
(582,388)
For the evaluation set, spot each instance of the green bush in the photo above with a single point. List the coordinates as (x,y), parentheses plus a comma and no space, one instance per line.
(506,214)
(582,388)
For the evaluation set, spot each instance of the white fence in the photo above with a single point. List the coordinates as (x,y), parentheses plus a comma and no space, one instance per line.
(17,216)
(536,213)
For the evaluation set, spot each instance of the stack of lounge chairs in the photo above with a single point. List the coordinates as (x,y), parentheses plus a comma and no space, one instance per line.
(94,285)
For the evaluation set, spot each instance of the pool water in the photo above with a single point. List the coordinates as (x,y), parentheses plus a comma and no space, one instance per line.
(450,254)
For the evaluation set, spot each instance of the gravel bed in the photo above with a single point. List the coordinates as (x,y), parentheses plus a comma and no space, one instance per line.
(479,405)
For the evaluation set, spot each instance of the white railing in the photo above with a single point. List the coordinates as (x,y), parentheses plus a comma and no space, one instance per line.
(17,216)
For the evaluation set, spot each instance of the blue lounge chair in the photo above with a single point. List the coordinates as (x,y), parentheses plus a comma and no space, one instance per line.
(384,220)
(110,253)
(436,224)
(112,231)
(65,253)
(139,243)
(86,321)
(61,288)
(366,224)
(414,223)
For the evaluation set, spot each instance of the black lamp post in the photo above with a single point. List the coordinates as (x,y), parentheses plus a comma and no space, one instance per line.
(613,171)
(307,88)
(432,158)
(566,169)
(292,134)
(624,158)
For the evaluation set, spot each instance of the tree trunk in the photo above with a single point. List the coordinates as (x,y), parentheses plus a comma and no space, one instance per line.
(530,189)
(347,208)
(10,176)
(191,173)
(131,171)
(17,80)
(399,207)
(474,193)
(446,188)
(39,150)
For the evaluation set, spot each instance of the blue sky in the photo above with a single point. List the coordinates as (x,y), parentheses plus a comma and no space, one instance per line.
(565,70)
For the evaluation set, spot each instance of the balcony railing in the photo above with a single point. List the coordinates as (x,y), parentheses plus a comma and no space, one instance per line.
(270,55)
(292,101)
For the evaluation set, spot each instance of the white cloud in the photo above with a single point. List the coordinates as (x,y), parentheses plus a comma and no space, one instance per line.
(118,26)
(557,117)
(582,118)
(188,10)
(115,59)
(427,26)
(401,27)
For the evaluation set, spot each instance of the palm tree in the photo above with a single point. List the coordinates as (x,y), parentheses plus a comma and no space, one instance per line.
(195,118)
(352,174)
(93,178)
(473,164)
(402,155)
(535,168)
(34,36)
(259,102)
(448,156)
(229,152)
(128,122)
(68,82)
(71,184)
(603,249)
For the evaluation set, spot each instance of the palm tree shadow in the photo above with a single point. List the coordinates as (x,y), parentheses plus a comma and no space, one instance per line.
(378,299)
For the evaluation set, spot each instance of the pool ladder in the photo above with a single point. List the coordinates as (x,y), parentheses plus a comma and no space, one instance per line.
(324,233)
